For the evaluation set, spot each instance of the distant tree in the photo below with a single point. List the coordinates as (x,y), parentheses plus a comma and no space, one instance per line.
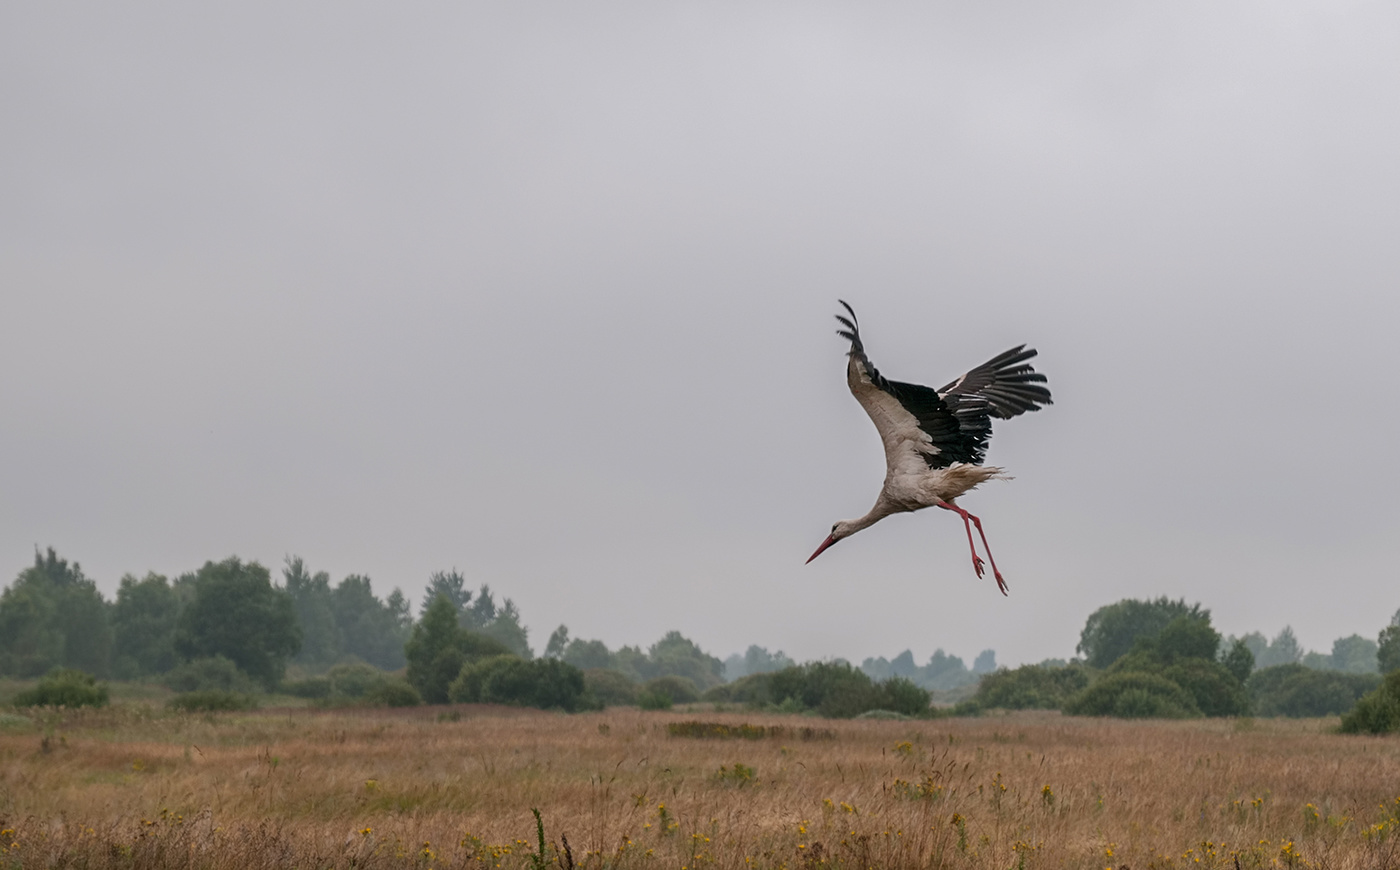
(143,626)
(558,642)
(903,665)
(756,660)
(1030,687)
(1134,695)
(1187,637)
(505,627)
(1283,650)
(944,672)
(1239,660)
(985,663)
(1110,631)
(371,630)
(1317,661)
(1295,690)
(1377,712)
(311,597)
(449,584)
(1388,647)
(439,647)
(676,655)
(1355,655)
(588,654)
(237,613)
(52,615)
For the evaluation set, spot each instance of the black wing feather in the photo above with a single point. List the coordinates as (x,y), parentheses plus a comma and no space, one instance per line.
(1003,386)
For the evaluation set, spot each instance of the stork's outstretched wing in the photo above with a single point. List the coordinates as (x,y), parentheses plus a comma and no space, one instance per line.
(915,423)
(1003,387)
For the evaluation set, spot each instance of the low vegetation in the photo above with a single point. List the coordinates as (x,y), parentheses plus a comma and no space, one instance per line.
(132,786)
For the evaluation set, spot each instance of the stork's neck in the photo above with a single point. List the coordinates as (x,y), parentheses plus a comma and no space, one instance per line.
(881,510)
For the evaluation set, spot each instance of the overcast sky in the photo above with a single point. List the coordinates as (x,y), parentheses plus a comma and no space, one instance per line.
(545,292)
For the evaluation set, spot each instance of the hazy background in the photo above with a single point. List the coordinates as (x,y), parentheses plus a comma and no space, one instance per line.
(544,291)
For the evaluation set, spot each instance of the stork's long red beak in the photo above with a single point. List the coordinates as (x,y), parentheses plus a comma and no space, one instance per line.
(830,539)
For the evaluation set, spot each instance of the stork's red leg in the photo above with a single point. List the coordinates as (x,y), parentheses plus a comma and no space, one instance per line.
(976,563)
(976,560)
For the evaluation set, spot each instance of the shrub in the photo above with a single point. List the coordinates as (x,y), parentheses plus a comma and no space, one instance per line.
(64,687)
(544,683)
(649,700)
(211,700)
(754,690)
(1295,690)
(1031,687)
(1214,689)
(1134,696)
(1377,712)
(902,696)
(680,690)
(355,680)
(609,687)
(214,673)
(316,688)
(392,692)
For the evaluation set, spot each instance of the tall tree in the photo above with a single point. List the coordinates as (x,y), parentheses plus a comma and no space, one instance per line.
(1110,631)
(143,625)
(371,630)
(450,585)
(237,613)
(53,615)
(321,640)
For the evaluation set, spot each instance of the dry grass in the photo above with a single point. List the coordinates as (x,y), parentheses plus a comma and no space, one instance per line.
(128,787)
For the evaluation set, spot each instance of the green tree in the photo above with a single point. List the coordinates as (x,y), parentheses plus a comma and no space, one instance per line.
(52,615)
(1239,661)
(1388,646)
(1031,687)
(677,655)
(321,640)
(449,584)
(371,630)
(1377,712)
(588,654)
(1355,655)
(1110,631)
(237,613)
(558,642)
(143,626)
(439,647)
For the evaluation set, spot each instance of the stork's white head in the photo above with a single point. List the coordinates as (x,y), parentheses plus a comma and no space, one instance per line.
(843,529)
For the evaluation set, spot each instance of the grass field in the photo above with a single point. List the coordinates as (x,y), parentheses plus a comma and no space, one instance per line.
(134,786)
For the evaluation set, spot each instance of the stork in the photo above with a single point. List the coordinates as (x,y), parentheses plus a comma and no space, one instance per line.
(935,439)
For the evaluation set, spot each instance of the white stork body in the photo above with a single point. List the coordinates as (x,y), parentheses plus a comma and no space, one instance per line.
(935,439)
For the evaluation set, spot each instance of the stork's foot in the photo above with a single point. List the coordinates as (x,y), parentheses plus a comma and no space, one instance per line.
(1001,581)
(978,566)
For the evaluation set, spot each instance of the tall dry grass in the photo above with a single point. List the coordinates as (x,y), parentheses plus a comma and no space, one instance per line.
(128,787)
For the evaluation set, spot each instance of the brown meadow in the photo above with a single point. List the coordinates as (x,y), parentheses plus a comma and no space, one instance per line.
(130,786)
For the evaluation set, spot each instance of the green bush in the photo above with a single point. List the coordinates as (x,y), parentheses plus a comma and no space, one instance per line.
(1134,696)
(680,690)
(654,700)
(548,684)
(1377,712)
(1299,691)
(211,700)
(64,687)
(392,692)
(214,673)
(611,688)
(901,696)
(316,688)
(754,690)
(833,689)
(1030,687)
(1214,689)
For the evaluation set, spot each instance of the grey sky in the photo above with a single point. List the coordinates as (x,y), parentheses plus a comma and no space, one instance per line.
(544,291)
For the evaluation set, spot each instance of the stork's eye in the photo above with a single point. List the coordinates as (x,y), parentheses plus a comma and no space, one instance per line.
(833,528)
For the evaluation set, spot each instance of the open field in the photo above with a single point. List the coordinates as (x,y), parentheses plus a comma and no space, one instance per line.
(134,786)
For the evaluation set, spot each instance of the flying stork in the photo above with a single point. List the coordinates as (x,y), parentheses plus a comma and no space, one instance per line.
(935,439)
